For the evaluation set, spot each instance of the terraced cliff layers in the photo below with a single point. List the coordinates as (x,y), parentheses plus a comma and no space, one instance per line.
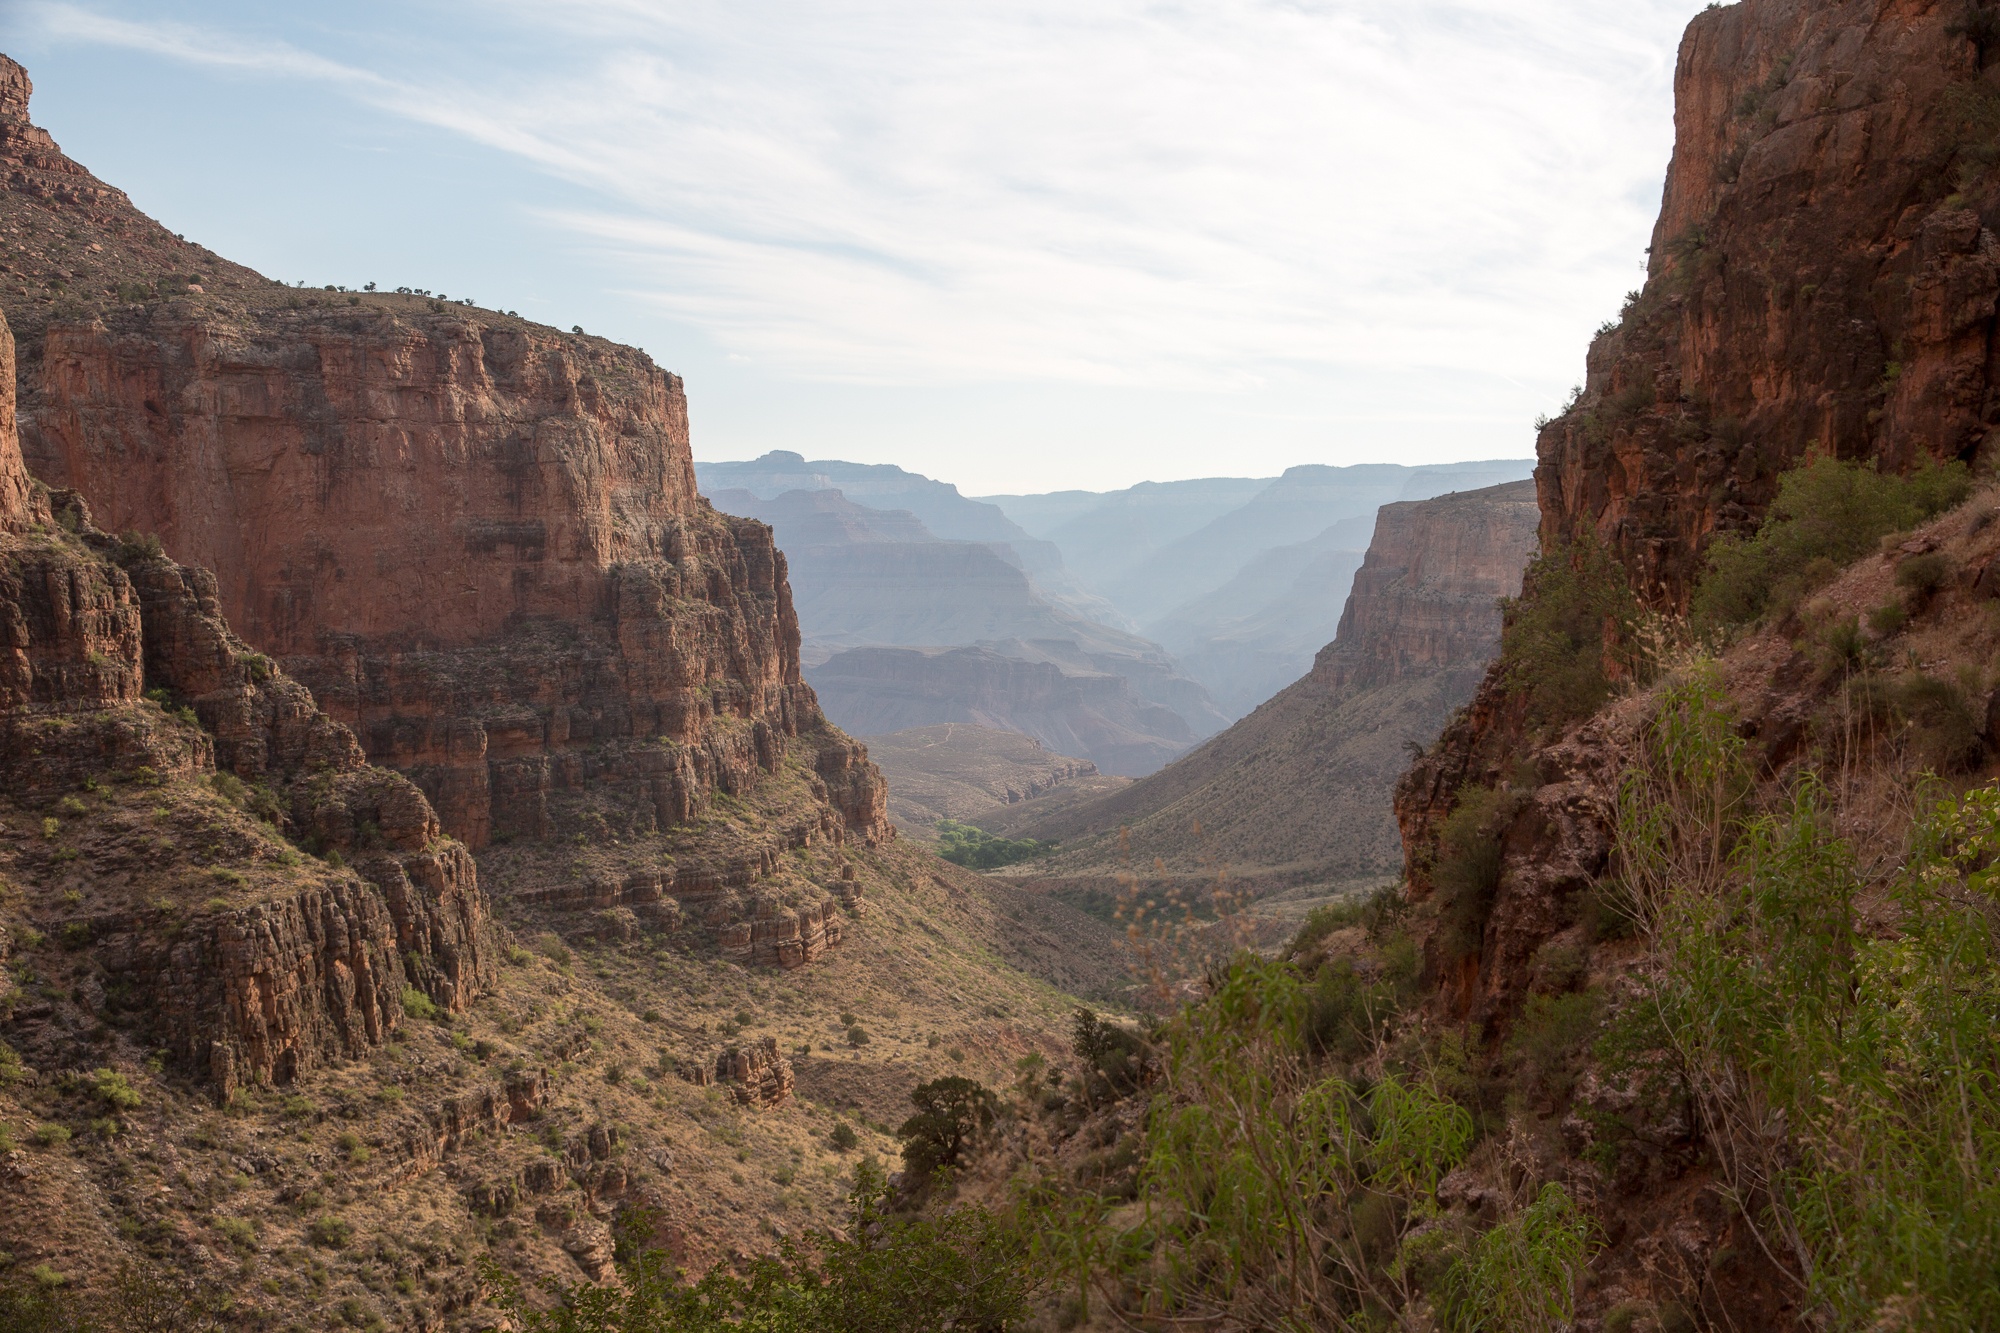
(122,691)
(1823,279)
(477,540)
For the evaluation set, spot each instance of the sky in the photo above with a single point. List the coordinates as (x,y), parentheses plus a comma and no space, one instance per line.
(1018,245)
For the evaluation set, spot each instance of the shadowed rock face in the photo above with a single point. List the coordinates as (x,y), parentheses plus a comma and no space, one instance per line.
(263,991)
(476,539)
(1823,280)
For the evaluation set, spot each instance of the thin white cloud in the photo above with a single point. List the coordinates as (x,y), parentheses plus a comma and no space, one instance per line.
(1131,193)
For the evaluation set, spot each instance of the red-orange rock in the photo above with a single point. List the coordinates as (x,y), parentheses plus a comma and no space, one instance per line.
(1822,281)
(476,539)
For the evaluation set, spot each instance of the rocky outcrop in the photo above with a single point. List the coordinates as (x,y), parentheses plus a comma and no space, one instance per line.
(475,539)
(1823,280)
(872,690)
(757,1074)
(266,990)
(1426,596)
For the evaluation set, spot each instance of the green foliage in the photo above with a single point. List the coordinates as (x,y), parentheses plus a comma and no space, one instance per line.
(1246,1150)
(10,1066)
(332,1233)
(48,1134)
(1466,868)
(416,1004)
(113,1089)
(1873,1050)
(1828,514)
(1924,575)
(843,1137)
(857,1036)
(1551,1032)
(1949,727)
(976,849)
(1346,1008)
(1375,913)
(1888,619)
(1569,633)
(884,1273)
(1521,1275)
(951,1113)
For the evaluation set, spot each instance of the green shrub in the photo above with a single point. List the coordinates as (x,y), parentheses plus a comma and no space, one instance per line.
(113,1089)
(844,1137)
(951,1113)
(49,1135)
(1466,868)
(857,1036)
(849,1020)
(1827,514)
(10,1066)
(1550,1033)
(976,849)
(1888,619)
(332,1233)
(1569,633)
(416,1004)
(1925,575)
(1949,728)
(240,1232)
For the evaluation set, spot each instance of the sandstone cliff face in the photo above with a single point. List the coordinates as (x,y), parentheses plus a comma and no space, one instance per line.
(1823,280)
(1425,598)
(276,986)
(475,539)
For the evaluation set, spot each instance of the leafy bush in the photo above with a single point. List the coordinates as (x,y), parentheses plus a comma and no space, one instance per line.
(1872,1048)
(416,1004)
(857,1036)
(1827,514)
(1949,728)
(1466,868)
(976,849)
(884,1272)
(843,1137)
(1924,575)
(1521,1275)
(113,1089)
(1569,633)
(332,1233)
(49,1135)
(1888,619)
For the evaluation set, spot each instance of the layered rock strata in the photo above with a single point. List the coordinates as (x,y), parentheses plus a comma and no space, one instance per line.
(1425,598)
(476,539)
(269,989)
(1823,280)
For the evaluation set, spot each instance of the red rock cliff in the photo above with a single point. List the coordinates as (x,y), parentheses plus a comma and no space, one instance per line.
(1427,595)
(1823,279)
(269,989)
(476,539)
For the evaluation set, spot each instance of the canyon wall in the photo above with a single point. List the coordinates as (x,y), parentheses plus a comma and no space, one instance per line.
(117,670)
(1425,598)
(1822,280)
(477,540)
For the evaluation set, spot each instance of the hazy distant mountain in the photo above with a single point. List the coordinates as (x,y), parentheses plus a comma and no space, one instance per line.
(947,515)
(1106,535)
(868,578)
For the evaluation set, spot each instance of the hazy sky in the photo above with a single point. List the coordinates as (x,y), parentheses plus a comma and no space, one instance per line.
(1016,244)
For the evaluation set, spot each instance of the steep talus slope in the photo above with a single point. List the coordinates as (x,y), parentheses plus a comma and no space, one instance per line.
(1297,792)
(1822,280)
(476,539)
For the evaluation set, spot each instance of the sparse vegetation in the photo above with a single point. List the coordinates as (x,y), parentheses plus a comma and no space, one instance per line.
(1828,513)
